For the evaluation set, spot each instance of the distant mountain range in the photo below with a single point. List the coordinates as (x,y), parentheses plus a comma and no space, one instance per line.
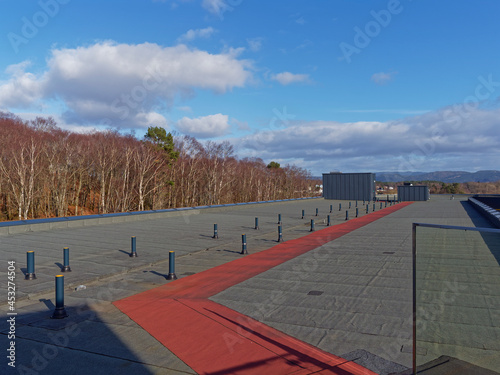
(442,176)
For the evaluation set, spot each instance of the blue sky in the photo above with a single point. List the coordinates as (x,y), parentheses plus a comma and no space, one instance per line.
(325,85)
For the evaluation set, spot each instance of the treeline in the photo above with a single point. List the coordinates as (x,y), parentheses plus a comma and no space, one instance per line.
(46,171)
(465,188)
(437,187)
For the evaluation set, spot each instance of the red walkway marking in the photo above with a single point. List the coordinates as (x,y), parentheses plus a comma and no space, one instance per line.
(213,339)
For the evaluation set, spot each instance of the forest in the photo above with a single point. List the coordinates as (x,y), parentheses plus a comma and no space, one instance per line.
(438,187)
(46,171)
(464,187)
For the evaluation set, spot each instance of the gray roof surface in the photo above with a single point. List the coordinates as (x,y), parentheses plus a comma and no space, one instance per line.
(364,310)
(366,280)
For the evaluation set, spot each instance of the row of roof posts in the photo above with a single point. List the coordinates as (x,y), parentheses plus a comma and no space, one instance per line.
(60,311)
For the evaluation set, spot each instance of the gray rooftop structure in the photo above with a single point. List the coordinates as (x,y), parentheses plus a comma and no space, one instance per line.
(413,193)
(349,186)
(361,308)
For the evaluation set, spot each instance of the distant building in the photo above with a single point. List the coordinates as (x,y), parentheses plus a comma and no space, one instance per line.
(349,186)
(409,192)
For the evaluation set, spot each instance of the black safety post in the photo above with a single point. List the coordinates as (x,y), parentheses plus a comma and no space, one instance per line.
(30,260)
(280,234)
(244,244)
(171,266)
(60,311)
(133,253)
(66,267)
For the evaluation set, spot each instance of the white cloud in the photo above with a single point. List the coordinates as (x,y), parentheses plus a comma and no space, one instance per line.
(300,20)
(22,89)
(255,44)
(185,108)
(286,78)
(204,127)
(392,111)
(197,33)
(121,83)
(27,116)
(219,7)
(383,78)
(442,139)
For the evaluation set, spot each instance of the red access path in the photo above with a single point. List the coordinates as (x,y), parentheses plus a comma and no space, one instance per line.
(213,339)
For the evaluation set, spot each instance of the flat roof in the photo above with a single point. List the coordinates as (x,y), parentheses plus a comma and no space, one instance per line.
(349,296)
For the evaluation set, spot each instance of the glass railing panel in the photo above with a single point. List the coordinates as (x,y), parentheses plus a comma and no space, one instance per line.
(457,295)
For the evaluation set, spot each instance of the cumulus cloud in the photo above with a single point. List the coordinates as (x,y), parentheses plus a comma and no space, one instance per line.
(383,78)
(300,21)
(122,84)
(22,88)
(185,108)
(286,78)
(433,140)
(219,7)
(255,44)
(196,33)
(204,127)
